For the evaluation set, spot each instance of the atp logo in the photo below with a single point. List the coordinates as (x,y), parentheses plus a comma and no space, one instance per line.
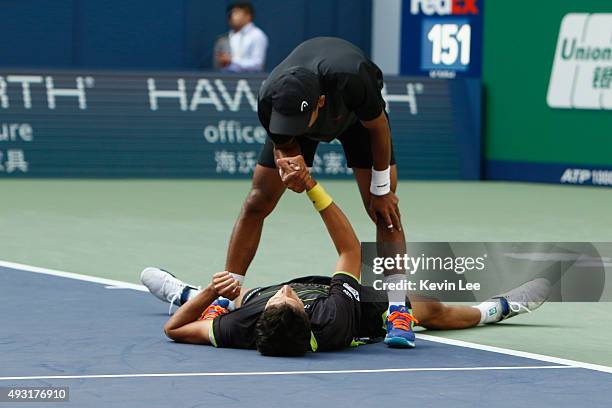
(304,106)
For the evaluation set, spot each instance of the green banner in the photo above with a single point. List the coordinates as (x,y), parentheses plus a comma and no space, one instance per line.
(548,83)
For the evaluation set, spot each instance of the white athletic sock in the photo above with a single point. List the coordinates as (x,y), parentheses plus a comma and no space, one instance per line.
(490,312)
(397,297)
(191,293)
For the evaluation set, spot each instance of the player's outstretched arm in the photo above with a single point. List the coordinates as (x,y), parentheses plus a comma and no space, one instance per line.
(289,148)
(345,240)
(339,228)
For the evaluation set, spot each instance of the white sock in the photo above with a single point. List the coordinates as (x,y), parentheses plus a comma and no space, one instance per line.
(397,297)
(490,312)
(239,278)
(191,293)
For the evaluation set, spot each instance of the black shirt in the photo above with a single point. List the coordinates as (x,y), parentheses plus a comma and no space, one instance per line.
(332,304)
(351,84)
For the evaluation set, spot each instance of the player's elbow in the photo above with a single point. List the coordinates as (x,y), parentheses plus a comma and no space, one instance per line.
(170,332)
(378,123)
(350,260)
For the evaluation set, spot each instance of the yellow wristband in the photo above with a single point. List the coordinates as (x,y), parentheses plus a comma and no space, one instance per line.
(319,197)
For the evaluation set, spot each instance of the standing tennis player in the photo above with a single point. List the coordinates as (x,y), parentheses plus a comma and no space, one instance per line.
(325,89)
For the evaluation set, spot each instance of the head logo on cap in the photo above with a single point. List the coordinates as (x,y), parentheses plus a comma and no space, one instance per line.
(304,106)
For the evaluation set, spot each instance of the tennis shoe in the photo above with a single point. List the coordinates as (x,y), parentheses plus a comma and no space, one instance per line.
(400,323)
(524,299)
(164,285)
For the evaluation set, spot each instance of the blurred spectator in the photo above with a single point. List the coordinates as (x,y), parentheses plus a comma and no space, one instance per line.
(244,48)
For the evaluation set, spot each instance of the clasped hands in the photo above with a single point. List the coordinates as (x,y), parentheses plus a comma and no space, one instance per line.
(294,173)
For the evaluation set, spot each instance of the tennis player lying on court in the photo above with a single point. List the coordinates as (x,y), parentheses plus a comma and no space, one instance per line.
(316,313)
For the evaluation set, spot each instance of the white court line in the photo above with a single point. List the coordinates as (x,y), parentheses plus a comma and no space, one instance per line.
(272,373)
(114,284)
(516,353)
(459,343)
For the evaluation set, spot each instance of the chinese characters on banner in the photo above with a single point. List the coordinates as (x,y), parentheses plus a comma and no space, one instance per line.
(230,162)
(12,159)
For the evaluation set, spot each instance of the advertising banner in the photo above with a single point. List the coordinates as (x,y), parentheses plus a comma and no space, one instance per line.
(548,91)
(442,38)
(167,124)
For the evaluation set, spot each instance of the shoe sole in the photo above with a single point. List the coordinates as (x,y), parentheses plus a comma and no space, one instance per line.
(399,342)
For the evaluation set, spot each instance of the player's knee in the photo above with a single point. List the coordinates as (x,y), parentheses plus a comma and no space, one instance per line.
(395,234)
(258,204)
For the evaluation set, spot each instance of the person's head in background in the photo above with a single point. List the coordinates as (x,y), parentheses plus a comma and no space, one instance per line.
(240,14)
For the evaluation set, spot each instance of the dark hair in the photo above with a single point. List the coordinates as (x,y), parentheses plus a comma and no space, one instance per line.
(243,5)
(282,331)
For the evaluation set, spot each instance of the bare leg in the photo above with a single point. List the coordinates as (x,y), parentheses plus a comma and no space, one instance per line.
(434,315)
(389,242)
(266,191)
(383,234)
(431,313)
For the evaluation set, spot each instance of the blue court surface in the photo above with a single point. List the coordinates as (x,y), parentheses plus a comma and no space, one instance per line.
(103,339)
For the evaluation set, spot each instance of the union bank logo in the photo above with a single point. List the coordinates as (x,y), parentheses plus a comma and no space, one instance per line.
(581,75)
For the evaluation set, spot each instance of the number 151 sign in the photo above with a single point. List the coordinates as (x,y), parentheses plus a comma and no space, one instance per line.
(442,38)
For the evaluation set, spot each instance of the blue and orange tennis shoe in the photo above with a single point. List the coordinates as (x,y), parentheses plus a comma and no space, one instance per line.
(400,323)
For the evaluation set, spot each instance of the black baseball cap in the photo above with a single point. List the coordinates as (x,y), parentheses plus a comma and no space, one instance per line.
(294,96)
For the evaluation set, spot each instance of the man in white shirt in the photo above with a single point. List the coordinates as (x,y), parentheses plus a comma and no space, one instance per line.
(247,43)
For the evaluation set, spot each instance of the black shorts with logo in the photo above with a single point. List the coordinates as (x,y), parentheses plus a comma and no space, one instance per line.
(355,141)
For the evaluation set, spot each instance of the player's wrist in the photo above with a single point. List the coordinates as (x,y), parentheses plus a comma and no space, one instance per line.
(211,289)
(310,183)
(380,183)
(319,197)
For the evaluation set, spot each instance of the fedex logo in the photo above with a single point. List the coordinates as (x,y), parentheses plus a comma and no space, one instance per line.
(444,7)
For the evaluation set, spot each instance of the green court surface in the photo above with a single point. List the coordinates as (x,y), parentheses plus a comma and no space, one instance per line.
(112,229)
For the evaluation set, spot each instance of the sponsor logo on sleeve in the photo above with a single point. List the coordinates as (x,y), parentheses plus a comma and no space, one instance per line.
(350,291)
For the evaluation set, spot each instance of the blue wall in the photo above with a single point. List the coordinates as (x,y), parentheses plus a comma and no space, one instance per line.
(161,34)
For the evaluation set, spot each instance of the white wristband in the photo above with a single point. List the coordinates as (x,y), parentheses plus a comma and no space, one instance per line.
(239,278)
(381,182)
